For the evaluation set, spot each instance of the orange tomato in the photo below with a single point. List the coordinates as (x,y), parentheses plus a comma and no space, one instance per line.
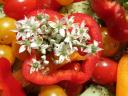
(6,26)
(21,56)
(122,77)
(6,51)
(2,1)
(110,45)
(64,2)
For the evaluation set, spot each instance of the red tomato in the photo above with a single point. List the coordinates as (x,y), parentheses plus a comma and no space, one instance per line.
(50,4)
(105,71)
(110,45)
(19,8)
(72,89)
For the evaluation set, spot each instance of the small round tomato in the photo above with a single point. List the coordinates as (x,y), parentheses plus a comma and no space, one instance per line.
(1,1)
(6,51)
(64,2)
(7,36)
(48,4)
(19,8)
(110,45)
(105,71)
(72,89)
(21,56)
(52,90)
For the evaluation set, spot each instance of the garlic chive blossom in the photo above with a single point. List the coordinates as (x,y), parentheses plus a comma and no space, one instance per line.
(63,37)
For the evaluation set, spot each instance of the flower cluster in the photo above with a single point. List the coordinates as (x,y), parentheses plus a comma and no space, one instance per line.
(61,36)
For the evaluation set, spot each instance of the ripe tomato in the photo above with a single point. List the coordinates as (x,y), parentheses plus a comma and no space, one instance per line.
(105,71)
(6,51)
(72,89)
(64,2)
(52,90)
(19,8)
(110,45)
(21,56)
(6,26)
(1,1)
(50,4)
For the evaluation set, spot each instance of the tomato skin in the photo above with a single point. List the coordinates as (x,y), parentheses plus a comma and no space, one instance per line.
(72,89)
(19,8)
(48,4)
(6,52)
(64,2)
(114,16)
(2,1)
(52,90)
(7,24)
(110,45)
(105,71)
(21,56)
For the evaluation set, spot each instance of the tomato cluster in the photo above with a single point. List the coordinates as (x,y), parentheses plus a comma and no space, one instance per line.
(69,79)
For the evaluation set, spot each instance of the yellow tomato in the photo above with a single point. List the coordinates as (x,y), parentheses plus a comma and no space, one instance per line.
(52,90)
(6,51)
(64,2)
(7,36)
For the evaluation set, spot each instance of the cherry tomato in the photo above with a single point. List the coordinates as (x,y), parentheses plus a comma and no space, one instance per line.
(49,4)
(52,90)
(1,1)
(19,8)
(64,2)
(105,71)
(72,89)
(6,51)
(110,45)
(7,36)
(21,56)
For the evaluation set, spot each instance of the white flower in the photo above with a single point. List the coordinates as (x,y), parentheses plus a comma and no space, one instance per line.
(35,66)
(22,48)
(62,36)
(92,48)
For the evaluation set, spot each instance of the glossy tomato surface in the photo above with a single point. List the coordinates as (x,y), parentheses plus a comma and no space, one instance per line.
(48,4)
(53,90)
(7,25)
(19,8)
(6,52)
(110,45)
(105,71)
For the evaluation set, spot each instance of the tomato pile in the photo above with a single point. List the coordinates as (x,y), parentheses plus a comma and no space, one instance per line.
(61,47)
